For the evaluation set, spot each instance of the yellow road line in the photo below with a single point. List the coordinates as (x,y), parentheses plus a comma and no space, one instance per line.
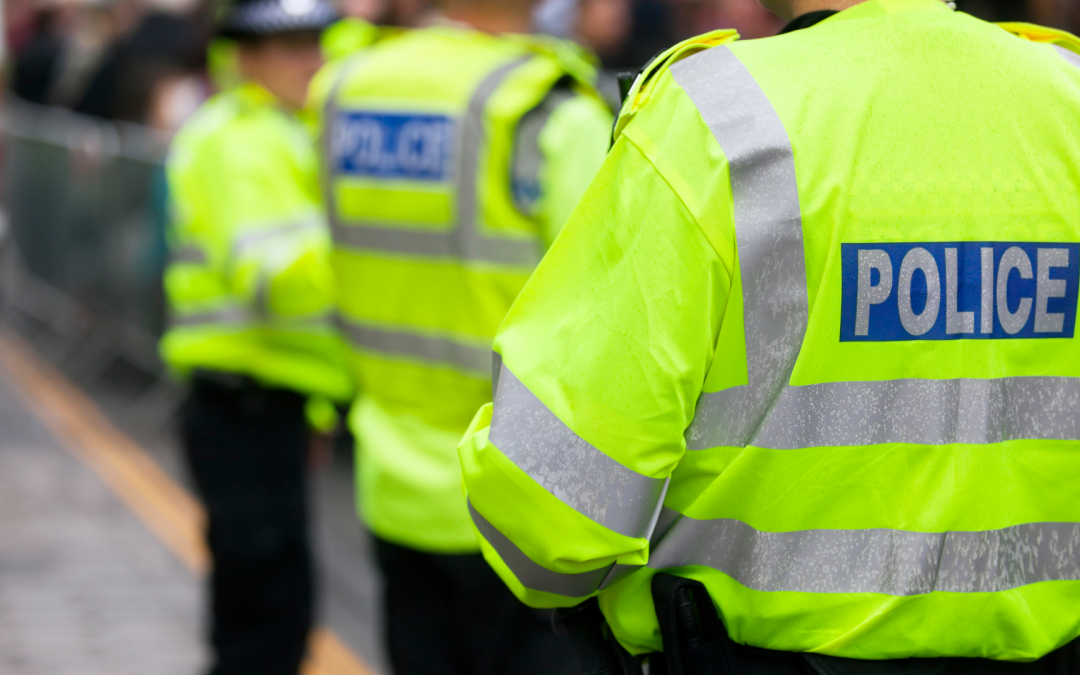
(169,510)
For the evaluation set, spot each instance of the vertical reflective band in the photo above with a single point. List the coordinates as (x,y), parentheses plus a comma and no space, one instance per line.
(330,113)
(528,158)
(892,562)
(568,467)
(472,358)
(768,232)
(532,574)
(262,295)
(496,368)
(464,241)
(1071,57)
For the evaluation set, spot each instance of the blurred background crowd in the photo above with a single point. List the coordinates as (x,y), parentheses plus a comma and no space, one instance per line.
(144,60)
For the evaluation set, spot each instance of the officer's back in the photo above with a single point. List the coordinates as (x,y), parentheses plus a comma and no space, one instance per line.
(454,154)
(860,365)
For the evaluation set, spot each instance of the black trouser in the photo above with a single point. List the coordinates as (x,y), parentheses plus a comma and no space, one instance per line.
(247,450)
(451,615)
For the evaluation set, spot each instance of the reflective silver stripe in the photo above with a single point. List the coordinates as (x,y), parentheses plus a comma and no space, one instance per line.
(264,234)
(496,368)
(262,296)
(768,232)
(464,240)
(190,255)
(925,412)
(230,316)
(473,358)
(1071,57)
(892,562)
(570,468)
(528,157)
(330,112)
(321,322)
(533,575)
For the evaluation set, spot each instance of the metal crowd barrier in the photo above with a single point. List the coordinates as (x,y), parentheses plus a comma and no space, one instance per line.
(85,203)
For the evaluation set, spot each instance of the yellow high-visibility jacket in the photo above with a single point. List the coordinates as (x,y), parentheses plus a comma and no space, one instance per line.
(810,339)
(249,284)
(452,158)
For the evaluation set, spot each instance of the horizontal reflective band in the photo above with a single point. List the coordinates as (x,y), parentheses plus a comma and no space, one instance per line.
(265,234)
(523,252)
(230,316)
(567,466)
(532,575)
(190,255)
(318,322)
(892,562)
(925,412)
(467,357)
(768,229)
(1071,57)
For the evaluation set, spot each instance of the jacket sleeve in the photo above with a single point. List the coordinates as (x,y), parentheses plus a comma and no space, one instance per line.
(598,368)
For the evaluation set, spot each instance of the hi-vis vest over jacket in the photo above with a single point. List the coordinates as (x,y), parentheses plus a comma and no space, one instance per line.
(453,158)
(248,283)
(810,339)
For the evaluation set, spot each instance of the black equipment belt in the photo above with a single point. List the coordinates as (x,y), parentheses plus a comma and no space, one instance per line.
(697,643)
(241,395)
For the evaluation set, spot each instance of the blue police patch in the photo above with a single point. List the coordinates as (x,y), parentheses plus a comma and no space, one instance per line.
(958,290)
(385,145)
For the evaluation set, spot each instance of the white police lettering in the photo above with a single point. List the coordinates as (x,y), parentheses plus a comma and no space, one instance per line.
(361,141)
(1013,259)
(393,146)
(992,290)
(955,321)
(1046,288)
(921,260)
(419,147)
(869,292)
(986,297)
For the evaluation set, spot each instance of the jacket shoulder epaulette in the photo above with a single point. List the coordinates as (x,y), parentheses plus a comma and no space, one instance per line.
(1034,33)
(646,79)
(578,64)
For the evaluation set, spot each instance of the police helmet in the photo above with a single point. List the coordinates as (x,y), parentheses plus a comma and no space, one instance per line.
(258,18)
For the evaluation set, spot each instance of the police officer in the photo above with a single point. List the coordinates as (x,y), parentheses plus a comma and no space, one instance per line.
(454,155)
(797,388)
(249,293)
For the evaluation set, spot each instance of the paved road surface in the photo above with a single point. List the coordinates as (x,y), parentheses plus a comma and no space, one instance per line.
(86,587)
